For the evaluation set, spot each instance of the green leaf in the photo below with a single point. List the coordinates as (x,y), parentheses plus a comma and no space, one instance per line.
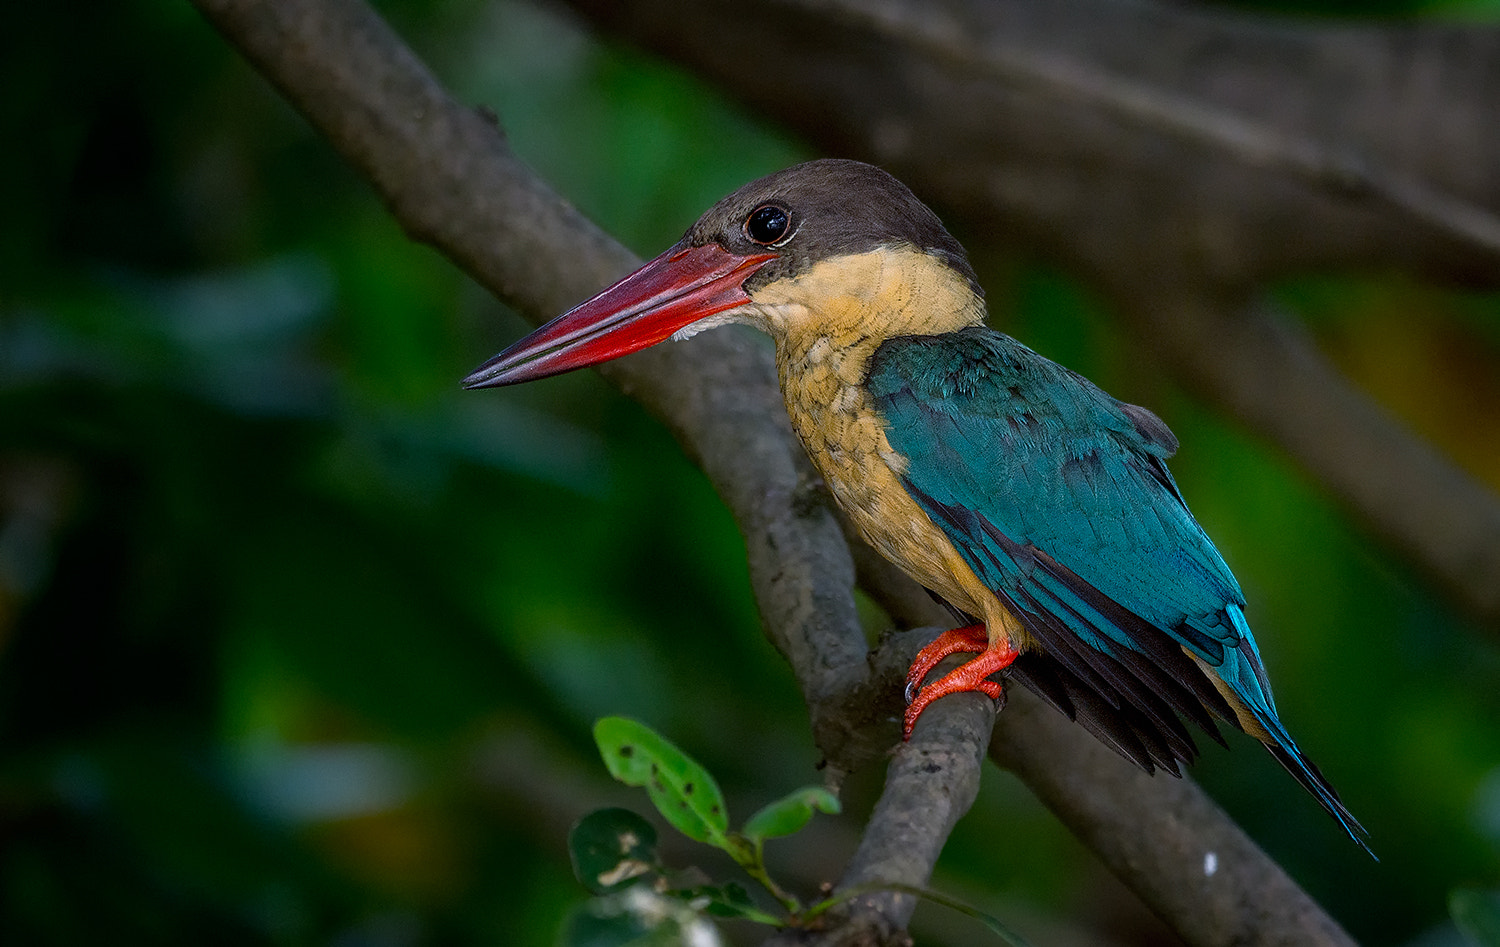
(1477,914)
(790,813)
(611,848)
(684,792)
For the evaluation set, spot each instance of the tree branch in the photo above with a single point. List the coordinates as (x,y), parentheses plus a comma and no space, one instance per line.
(1259,142)
(449,178)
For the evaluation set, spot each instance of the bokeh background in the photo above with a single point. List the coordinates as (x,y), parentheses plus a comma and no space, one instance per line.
(301,644)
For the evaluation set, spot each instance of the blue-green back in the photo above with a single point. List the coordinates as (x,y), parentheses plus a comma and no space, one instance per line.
(1001,440)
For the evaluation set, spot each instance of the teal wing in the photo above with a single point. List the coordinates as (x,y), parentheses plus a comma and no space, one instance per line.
(1059,498)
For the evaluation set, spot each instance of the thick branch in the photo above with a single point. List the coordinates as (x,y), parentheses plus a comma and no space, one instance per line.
(1152,146)
(1223,128)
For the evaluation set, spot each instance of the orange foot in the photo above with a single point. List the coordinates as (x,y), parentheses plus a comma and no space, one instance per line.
(973,676)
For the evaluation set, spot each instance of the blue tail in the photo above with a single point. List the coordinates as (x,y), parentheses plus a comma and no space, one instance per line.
(1306,773)
(1247,678)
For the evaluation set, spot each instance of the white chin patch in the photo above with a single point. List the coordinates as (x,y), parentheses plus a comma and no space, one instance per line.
(704,324)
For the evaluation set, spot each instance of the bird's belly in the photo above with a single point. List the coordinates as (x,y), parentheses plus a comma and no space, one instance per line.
(846,439)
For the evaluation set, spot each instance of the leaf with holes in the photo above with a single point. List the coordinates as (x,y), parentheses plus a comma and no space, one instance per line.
(612,848)
(790,813)
(685,794)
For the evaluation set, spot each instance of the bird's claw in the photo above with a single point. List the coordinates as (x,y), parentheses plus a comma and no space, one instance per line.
(972,676)
(972,639)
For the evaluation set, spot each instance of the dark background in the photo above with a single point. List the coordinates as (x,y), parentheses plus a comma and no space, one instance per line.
(301,644)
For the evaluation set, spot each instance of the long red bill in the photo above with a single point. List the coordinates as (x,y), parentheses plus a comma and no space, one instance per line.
(674,290)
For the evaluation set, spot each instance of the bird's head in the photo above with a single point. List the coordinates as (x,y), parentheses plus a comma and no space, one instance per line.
(825,243)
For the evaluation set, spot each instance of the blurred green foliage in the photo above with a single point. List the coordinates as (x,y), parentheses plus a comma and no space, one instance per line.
(299,644)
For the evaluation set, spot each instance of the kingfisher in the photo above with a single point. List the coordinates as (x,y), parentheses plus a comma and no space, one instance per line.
(1034,505)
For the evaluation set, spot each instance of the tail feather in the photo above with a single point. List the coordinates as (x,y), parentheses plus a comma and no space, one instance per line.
(1241,680)
(1264,725)
(1306,772)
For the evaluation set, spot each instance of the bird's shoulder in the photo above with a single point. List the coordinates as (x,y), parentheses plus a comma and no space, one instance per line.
(981,375)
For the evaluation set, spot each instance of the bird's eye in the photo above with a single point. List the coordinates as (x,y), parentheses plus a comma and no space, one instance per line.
(768,224)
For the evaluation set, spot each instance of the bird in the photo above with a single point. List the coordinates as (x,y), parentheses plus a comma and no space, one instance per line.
(1038,508)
